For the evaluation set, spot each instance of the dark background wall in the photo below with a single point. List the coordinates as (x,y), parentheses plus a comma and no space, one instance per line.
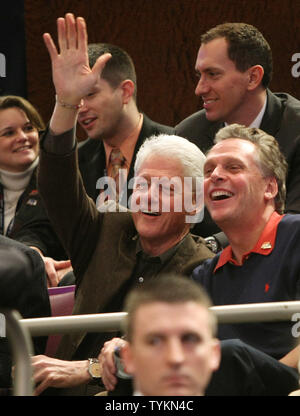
(12,49)
(162,36)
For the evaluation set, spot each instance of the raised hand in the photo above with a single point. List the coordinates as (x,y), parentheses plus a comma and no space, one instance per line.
(72,76)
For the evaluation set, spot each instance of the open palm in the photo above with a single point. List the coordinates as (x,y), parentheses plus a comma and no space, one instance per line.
(72,76)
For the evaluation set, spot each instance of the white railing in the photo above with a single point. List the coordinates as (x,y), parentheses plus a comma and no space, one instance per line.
(18,330)
(252,312)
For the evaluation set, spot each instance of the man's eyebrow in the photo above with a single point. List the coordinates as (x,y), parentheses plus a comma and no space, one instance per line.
(191,333)
(209,161)
(208,69)
(154,334)
(226,159)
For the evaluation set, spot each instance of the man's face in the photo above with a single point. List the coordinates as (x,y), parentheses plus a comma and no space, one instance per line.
(156,221)
(221,86)
(172,352)
(235,190)
(102,112)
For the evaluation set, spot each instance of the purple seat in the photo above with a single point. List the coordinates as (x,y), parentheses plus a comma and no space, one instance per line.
(62,302)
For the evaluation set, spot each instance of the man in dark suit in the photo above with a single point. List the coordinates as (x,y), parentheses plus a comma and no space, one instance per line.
(22,288)
(234,66)
(111,123)
(171,349)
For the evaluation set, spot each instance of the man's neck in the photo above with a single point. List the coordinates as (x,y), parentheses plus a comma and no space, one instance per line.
(243,236)
(127,124)
(250,110)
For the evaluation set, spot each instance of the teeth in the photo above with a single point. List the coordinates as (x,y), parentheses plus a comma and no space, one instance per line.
(216,195)
(208,101)
(20,149)
(87,121)
(155,214)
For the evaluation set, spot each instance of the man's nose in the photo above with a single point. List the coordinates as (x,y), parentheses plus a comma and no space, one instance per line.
(84,107)
(202,87)
(175,352)
(153,196)
(217,174)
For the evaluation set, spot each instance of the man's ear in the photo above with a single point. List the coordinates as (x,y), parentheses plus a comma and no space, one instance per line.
(216,354)
(256,74)
(271,188)
(127,358)
(128,88)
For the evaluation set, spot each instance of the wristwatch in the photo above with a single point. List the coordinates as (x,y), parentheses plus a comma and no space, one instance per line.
(94,370)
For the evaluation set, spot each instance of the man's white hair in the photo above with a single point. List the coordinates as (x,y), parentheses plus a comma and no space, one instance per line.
(188,155)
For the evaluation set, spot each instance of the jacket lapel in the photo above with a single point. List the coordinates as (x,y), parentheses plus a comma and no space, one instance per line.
(272,118)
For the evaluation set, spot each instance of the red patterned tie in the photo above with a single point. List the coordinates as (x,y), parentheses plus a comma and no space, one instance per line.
(117,161)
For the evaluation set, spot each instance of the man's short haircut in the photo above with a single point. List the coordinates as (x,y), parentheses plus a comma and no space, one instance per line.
(11,101)
(270,160)
(188,155)
(246,47)
(119,67)
(171,289)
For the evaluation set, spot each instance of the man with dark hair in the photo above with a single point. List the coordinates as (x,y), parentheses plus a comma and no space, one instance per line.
(119,67)
(246,47)
(234,66)
(111,119)
(171,349)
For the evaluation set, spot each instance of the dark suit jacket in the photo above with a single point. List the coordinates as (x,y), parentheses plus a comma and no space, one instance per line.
(281,120)
(102,247)
(31,223)
(91,156)
(23,288)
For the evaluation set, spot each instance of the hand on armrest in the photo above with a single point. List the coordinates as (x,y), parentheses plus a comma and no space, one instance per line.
(55,269)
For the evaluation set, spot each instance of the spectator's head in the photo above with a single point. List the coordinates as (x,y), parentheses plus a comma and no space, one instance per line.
(103,112)
(119,67)
(244,174)
(20,124)
(172,349)
(234,63)
(167,192)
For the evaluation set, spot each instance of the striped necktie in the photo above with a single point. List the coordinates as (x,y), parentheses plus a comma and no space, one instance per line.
(117,161)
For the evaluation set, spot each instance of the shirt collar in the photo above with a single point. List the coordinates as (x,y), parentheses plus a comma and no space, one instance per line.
(164,257)
(258,119)
(264,245)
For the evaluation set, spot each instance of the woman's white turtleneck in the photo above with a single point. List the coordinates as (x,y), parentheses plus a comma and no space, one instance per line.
(14,184)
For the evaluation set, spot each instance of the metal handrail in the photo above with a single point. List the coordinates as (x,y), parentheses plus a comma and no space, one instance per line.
(74,323)
(18,329)
(252,312)
(22,349)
